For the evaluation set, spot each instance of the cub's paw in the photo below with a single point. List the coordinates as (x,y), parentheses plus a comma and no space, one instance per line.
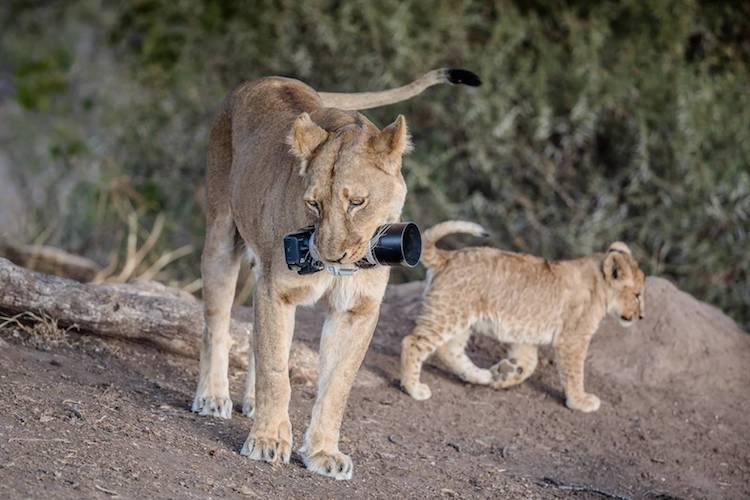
(212,406)
(336,465)
(248,408)
(506,373)
(586,403)
(267,450)
(418,391)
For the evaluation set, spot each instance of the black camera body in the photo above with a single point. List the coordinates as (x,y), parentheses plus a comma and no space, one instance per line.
(398,244)
(297,252)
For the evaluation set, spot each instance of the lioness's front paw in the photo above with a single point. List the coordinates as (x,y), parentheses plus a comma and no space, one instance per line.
(586,403)
(336,465)
(214,406)
(248,408)
(267,450)
(418,391)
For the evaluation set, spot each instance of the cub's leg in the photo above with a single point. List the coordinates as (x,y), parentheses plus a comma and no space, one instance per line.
(431,332)
(270,439)
(343,344)
(570,351)
(453,355)
(220,265)
(517,367)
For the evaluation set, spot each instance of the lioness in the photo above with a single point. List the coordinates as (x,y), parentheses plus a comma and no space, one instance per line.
(283,156)
(522,300)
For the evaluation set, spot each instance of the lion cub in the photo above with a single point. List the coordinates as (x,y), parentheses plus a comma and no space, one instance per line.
(526,301)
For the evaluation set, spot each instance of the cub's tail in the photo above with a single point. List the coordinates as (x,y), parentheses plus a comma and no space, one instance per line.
(366,100)
(433,256)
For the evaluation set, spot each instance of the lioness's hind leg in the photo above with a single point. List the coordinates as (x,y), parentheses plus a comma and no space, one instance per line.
(453,355)
(517,367)
(220,265)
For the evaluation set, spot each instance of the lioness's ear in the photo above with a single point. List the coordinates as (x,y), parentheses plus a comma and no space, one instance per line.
(304,138)
(619,246)
(392,142)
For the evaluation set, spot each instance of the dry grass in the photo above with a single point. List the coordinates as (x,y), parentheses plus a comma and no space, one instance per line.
(139,263)
(38,331)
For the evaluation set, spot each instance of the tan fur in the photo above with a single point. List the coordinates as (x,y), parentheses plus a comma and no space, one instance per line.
(525,301)
(280,160)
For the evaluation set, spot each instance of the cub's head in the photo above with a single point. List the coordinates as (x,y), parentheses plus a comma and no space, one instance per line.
(626,291)
(353,178)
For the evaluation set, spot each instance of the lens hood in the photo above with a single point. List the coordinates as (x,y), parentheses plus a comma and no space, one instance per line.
(398,244)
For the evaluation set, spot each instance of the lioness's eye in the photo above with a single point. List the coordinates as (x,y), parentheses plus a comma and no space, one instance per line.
(313,205)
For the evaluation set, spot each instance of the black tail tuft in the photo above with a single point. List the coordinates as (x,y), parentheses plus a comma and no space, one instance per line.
(463,76)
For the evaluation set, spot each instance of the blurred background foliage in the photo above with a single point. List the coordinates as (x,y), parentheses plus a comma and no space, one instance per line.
(597,121)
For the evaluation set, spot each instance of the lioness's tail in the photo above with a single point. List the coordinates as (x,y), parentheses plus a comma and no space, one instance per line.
(431,254)
(366,100)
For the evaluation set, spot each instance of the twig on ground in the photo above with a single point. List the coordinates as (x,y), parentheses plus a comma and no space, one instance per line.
(35,440)
(548,481)
(107,491)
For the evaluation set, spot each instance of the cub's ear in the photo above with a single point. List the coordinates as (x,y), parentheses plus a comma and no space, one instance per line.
(304,138)
(391,143)
(619,246)
(616,268)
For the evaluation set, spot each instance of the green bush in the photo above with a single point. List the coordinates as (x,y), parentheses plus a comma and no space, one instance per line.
(597,121)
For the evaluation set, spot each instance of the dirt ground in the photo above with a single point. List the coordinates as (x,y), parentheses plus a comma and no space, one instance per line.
(88,418)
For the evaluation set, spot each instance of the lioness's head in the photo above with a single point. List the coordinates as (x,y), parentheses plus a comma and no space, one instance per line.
(353,175)
(626,298)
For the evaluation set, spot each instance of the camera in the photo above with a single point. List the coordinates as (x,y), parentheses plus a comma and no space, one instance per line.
(398,244)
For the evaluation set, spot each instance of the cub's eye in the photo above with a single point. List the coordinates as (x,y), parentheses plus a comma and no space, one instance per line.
(313,205)
(356,202)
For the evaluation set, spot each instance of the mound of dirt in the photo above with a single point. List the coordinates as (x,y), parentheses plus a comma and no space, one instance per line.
(682,342)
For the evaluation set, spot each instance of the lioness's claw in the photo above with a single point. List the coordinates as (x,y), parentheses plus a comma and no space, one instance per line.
(209,406)
(336,465)
(248,408)
(267,450)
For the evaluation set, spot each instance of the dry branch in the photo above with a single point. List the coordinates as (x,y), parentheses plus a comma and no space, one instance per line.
(168,318)
(150,312)
(50,260)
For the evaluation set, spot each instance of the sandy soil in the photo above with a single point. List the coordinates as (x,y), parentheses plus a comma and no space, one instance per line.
(86,418)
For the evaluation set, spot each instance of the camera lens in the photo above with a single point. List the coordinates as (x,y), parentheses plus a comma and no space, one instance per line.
(411,243)
(398,244)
